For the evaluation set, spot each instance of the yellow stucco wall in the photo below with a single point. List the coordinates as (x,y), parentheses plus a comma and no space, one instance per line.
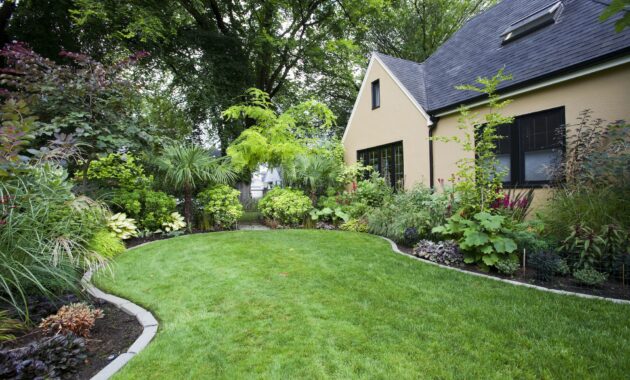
(397,119)
(606,93)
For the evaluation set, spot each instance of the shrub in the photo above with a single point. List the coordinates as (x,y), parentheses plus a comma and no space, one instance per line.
(507,266)
(589,276)
(373,191)
(355,225)
(46,358)
(601,248)
(420,208)
(285,206)
(119,170)
(547,265)
(443,252)
(106,244)
(76,318)
(484,238)
(122,227)
(221,206)
(149,208)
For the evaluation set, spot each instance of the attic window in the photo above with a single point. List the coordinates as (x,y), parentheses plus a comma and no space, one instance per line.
(533,22)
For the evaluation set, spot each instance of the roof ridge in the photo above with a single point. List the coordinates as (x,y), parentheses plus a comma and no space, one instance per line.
(400,59)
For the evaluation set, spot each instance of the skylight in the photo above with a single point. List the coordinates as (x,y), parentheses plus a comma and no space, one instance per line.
(533,22)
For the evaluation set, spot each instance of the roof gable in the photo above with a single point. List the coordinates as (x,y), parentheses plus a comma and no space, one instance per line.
(576,39)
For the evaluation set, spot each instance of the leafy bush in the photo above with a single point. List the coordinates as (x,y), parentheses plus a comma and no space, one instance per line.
(329,215)
(547,265)
(149,208)
(484,238)
(507,265)
(514,203)
(601,248)
(373,191)
(443,252)
(122,227)
(46,358)
(589,276)
(420,208)
(119,170)
(106,244)
(221,206)
(285,206)
(76,318)
(174,224)
(355,225)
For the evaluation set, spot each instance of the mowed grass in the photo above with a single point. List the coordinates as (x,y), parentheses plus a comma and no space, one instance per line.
(318,304)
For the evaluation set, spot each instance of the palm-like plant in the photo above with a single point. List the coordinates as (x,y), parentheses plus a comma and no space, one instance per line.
(312,173)
(187,166)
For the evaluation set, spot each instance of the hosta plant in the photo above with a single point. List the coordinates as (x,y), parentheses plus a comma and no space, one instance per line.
(76,318)
(175,223)
(484,239)
(590,277)
(122,227)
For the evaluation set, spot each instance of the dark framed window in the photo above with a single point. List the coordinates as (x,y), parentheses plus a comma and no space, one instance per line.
(376,94)
(387,160)
(531,146)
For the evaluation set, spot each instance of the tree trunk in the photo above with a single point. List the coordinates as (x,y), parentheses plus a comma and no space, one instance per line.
(188,207)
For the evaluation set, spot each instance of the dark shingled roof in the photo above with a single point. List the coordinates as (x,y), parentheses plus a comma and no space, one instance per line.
(575,40)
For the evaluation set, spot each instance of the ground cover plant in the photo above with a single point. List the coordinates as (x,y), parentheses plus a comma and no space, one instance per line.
(307,303)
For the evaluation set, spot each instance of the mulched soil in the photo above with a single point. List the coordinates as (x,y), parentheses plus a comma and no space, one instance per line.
(111,336)
(610,289)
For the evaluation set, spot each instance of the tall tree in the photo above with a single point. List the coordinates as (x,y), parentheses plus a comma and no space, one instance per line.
(414,29)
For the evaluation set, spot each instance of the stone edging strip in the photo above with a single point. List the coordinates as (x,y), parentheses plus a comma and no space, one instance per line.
(557,291)
(144,317)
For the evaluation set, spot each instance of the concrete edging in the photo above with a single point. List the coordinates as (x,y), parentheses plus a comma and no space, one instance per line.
(512,282)
(144,317)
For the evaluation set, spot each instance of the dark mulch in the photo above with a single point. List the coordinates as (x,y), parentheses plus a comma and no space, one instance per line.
(111,336)
(611,288)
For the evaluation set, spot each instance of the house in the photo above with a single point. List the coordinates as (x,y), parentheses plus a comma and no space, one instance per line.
(562,58)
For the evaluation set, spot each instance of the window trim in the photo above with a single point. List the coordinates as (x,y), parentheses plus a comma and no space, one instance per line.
(517,154)
(376,84)
(392,165)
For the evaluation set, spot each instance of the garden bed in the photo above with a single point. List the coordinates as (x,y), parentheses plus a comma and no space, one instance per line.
(111,336)
(609,289)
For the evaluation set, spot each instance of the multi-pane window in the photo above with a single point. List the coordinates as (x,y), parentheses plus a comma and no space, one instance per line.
(376,94)
(387,160)
(531,147)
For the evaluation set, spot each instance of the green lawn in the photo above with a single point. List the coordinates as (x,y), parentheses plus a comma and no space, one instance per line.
(318,304)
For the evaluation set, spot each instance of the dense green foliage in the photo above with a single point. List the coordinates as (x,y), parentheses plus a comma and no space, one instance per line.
(149,208)
(275,300)
(419,208)
(485,238)
(118,171)
(285,206)
(220,206)
(106,244)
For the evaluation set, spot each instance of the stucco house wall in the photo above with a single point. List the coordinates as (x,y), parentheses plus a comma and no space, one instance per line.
(397,119)
(605,93)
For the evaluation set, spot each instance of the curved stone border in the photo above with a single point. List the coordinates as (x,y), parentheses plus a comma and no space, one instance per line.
(557,291)
(146,319)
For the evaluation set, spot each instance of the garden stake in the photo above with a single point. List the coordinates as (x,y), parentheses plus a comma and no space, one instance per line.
(524,259)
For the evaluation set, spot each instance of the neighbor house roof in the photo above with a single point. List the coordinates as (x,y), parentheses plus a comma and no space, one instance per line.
(577,39)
